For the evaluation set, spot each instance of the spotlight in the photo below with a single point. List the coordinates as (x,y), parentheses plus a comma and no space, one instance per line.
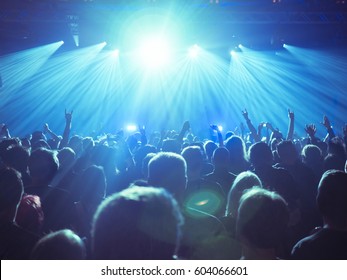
(131,127)
(194,51)
(155,52)
(115,53)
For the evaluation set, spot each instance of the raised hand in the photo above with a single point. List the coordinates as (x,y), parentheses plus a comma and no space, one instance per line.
(214,127)
(311,129)
(68,116)
(326,122)
(45,128)
(290,114)
(245,114)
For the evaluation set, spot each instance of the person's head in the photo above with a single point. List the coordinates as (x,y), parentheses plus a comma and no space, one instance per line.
(312,154)
(17,157)
(260,155)
(209,148)
(287,152)
(194,159)
(66,157)
(76,143)
(220,158)
(171,145)
(236,147)
(145,162)
(141,153)
(43,165)
(92,185)
(30,214)
(244,181)
(168,170)
(60,245)
(11,191)
(332,198)
(262,219)
(137,223)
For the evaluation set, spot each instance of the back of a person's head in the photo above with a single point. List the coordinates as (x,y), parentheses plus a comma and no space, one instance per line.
(145,162)
(193,157)
(244,181)
(92,185)
(171,145)
(141,153)
(66,157)
(6,143)
(43,165)
(287,152)
(220,157)
(262,219)
(37,135)
(332,198)
(312,154)
(104,156)
(76,143)
(16,157)
(336,147)
(137,223)
(260,154)
(60,245)
(236,147)
(209,148)
(11,189)
(30,214)
(168,170)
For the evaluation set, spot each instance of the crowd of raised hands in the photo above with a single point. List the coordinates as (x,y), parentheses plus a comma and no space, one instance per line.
(252,193)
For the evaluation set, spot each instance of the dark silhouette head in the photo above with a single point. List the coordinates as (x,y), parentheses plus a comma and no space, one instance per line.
(137,223)
(260,155)
(60,245)
(43,165)
(332,198)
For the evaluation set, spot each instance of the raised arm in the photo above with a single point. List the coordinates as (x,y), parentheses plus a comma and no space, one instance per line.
(184,130)
(330,131)
(67,130)
(251,126)
(311,131)
(290,132)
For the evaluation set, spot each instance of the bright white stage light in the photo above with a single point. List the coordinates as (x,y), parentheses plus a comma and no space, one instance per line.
(194,51)
(115,53)
(155,53)
(131,127)
(220,128)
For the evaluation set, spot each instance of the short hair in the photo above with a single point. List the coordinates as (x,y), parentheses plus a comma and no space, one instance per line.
(16,156)
(60,245)
(244,181)
(66,157)
(137,223)
(168,170)
(11,188)
(262,218)
(193,157)
(43,164)
(260,153)
(312,154)
(332,197)
(286,150)
(236,147)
